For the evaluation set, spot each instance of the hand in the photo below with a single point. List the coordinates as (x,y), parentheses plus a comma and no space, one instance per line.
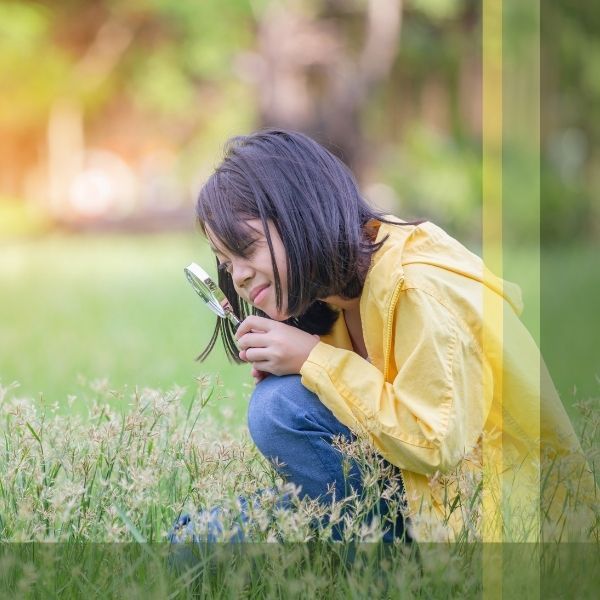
(273,347)
(258,375)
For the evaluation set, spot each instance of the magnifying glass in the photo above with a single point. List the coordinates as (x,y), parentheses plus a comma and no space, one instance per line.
(211,293)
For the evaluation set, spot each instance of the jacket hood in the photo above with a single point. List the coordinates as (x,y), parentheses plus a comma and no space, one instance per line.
(429,244)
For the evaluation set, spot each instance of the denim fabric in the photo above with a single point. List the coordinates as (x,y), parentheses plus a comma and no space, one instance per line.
(207,526)
(294,430)
(290,425)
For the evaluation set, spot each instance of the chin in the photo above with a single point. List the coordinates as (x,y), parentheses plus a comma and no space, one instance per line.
(276,315)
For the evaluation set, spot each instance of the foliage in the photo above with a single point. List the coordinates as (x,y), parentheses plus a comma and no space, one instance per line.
(570,55)
(439,178)
(179,74)
(127,476)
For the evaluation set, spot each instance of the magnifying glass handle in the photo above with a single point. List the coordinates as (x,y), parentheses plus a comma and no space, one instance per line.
(233,320)
(236,323)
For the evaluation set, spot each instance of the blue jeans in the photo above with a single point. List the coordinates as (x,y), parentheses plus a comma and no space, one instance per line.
(294,430)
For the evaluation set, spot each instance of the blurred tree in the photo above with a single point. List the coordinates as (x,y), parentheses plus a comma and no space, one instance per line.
(317,64)
(29,80)
(393,86)
(78,73)
(570,120)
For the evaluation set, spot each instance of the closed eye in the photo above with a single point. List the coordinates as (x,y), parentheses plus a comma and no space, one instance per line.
(244,250)
(225,266)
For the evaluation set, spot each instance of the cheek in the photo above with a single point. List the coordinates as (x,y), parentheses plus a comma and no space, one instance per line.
(238,290)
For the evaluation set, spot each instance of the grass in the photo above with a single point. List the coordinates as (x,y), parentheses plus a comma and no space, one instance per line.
(115,431)
(569,314)
(79,309)
(106,488)
(82,308)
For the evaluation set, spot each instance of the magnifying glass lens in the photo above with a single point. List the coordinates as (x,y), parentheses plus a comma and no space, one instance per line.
(210,293)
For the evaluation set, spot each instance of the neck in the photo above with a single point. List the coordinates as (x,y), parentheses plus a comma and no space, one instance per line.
(345,304)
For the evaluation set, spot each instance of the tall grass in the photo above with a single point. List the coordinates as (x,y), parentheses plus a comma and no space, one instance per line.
(87,502)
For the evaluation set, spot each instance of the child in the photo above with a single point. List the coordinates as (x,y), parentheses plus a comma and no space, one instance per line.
(355,321)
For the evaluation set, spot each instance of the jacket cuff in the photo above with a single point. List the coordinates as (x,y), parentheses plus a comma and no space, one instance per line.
(316,366)
(316,377)
(319,356)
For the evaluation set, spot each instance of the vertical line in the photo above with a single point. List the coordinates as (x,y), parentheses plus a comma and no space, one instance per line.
(492,309)
(492,135)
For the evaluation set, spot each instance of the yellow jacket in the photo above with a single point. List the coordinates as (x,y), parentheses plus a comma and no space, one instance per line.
(451,391)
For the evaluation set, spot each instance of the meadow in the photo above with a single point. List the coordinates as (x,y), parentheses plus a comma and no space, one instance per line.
(111,310)
(117,310)
(88,502)
(113,431)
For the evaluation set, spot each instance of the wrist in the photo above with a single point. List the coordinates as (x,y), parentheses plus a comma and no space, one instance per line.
(314,341)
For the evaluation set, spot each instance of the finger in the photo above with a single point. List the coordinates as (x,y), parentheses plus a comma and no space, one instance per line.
(253,340)
(262,367)
(253,322)
(257,373)
(254,355)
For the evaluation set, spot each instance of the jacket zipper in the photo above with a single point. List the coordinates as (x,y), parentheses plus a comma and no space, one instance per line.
(388,347)
(388,329)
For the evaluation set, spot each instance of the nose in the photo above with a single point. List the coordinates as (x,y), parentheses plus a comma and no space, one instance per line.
(241,272)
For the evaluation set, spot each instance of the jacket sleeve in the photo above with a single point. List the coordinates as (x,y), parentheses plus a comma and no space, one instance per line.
(432,409)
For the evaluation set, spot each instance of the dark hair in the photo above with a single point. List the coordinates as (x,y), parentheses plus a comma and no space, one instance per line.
(313,200)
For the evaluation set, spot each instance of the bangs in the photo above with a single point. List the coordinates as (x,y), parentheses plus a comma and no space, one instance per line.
(225,210)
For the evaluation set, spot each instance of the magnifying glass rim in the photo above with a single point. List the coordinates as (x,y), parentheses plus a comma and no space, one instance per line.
(196,274)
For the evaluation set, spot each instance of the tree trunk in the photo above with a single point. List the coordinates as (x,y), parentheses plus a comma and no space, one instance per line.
(308,78)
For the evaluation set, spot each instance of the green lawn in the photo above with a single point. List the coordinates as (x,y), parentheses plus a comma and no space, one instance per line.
(564,318)
(119,307)
(107,306)
(570,339)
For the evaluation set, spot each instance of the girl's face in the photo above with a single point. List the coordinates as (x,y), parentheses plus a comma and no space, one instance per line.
(252,274)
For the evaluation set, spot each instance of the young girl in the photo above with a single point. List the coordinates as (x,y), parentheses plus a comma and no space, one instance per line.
(357,322)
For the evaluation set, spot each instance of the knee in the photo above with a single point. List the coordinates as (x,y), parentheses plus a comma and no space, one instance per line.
(277,407)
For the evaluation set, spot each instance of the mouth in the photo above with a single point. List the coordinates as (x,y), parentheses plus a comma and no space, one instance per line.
(257,294)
